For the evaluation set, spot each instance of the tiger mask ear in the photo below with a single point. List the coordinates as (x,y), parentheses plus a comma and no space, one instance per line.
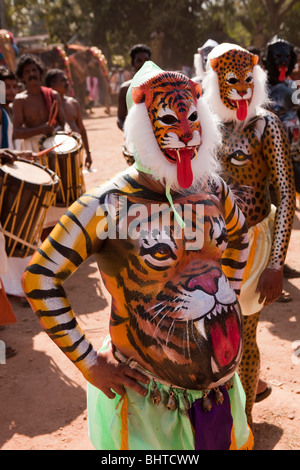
(196,89)
(138,94)
(142,94)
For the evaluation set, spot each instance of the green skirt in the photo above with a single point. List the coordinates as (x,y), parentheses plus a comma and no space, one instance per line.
(134,422)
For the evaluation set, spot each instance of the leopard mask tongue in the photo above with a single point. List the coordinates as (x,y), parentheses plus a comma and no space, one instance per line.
(184,167)
(241,112)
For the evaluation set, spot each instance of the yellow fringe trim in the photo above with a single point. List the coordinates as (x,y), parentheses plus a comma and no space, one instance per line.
(247,446)
(124,421)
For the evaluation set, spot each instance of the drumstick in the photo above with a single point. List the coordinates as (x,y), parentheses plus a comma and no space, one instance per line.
(43,152)
(53,113)
(14,237)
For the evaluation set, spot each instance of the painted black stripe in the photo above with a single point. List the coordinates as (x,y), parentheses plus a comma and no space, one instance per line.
(141,191)
(230,217)
(74,346)
(62,327)
(46,293)
(133,276)
(57,336)
(53,313)
(63,226)
(68,253)
(237,244)
(83,356)
(116,319)
(79,201)
(42,271)
(135,262)
(43,254)
(85,233)
(92,196)
(233,263)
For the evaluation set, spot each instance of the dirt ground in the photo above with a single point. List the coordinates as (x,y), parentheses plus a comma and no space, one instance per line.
(43,396)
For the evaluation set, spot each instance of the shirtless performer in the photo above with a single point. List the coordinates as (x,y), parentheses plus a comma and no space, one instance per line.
(255,152)
(161,381)
(31,108)
(58,81)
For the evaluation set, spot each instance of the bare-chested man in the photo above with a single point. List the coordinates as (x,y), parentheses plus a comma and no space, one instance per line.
(139,54)
(31,108)
(58,81)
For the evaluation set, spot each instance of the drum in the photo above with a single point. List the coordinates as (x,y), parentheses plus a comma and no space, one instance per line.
(27,190)
(65,160)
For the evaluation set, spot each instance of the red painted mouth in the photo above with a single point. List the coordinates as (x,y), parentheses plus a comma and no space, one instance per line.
(183,158)
(241,108)
(226,338)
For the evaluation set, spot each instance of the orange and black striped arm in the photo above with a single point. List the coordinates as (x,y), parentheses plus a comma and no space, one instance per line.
(234,258)
(70,243)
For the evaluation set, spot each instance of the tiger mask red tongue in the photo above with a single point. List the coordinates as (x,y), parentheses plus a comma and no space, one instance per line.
(184,167)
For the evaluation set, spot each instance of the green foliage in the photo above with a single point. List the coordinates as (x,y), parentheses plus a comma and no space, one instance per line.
(115,25)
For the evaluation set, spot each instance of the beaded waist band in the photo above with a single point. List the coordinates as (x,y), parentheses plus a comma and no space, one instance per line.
(172,401)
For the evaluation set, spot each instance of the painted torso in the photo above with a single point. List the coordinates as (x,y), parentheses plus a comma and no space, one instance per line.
(245,169)
(253,157)
(173,310)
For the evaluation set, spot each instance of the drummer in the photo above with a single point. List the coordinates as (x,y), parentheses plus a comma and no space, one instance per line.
(58,81)
(33,109)
(12,268)
(9,152)
(11,89)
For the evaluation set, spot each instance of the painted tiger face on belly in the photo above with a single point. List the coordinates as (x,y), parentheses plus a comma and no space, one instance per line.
(173,309)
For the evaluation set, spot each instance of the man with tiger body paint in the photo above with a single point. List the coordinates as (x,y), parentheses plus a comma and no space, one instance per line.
(165,377)
(255,153)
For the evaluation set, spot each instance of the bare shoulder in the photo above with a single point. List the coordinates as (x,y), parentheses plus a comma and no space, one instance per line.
(69,100)
(55,94)
(269,117)
(23,95)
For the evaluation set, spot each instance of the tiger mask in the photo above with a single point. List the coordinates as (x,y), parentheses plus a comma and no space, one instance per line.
(171,131)
(234,86)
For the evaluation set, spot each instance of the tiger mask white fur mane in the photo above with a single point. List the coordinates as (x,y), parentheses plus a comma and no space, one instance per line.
(171,131)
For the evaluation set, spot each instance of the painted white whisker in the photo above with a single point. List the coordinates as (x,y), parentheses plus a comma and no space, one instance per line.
(169,332)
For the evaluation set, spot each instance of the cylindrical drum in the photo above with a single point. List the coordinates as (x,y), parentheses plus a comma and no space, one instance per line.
(66,160)
(27,190)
